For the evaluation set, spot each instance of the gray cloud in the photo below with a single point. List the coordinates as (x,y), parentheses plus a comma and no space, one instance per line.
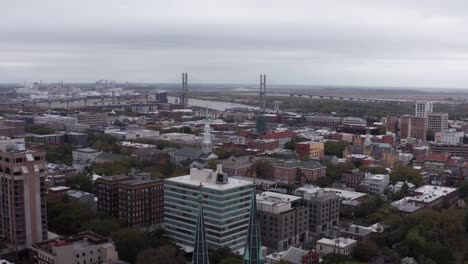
(393,43)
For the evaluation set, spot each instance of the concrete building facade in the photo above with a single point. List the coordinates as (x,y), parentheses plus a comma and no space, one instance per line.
(284,220)
(23,214)
(324,207)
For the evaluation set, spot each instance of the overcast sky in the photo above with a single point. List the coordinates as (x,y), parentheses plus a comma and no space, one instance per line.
(384,43)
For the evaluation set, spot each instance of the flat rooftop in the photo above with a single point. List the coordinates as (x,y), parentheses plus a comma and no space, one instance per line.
(274,198)
(429,193)
(87,150)
(340,242)
(345,194)
(231,184)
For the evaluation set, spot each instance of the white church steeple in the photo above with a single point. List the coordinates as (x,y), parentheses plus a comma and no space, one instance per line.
(207,146)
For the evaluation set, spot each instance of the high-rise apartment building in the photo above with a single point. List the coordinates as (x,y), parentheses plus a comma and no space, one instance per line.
(137,201)
(23,219)
(392,124)
(423,108)
(437,122)
(226,206)
(413,127)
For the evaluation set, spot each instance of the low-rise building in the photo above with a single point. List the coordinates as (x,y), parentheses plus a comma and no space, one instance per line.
(82,197)
(133,147)
(340,245)
(294,255)
(428,196)
(83,158)
(352,178)
(449,138)
(356,232)
(86,247)
(310,149)
(376,183)
(238,166)
(92,119)
(295,171)
(264,144)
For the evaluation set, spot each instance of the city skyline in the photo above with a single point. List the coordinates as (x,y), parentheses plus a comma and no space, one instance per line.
(362,43)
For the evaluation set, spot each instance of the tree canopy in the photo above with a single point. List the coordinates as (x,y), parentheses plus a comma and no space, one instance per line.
(334,148)
(401,173)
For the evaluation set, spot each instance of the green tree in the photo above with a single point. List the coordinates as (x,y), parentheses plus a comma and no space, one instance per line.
(80,182)
(104,227)
(104,142)
(373,170)
(334,258)
(59,154)
(129,242)
(291,145)
(335,148)
(263,169)
(68,218)
(166,254)
(38,129)
(217,255)
(464,189)
(365,250)
(406,174)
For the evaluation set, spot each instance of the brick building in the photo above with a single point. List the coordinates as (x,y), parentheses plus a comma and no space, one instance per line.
(136,200)
(413,127)
(264,144)
(295,171)
(310,149)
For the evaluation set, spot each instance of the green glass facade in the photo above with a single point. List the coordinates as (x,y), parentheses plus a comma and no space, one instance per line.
(226,213)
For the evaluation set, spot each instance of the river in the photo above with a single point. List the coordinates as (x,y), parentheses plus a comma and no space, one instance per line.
(221,106)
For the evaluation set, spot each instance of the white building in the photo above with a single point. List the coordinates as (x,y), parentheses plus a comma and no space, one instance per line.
(134,134)
(340,245)
(423,108)
(86,247)
(346,195)
(399,186)
(83,158)
(354,121)
(449,138)
(376,182)
(178,137)
(226,206)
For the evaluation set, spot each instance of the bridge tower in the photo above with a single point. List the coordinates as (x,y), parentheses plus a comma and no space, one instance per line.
(183,100)
(262,93)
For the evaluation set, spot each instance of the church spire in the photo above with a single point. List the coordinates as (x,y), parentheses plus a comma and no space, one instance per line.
(253,244)
(200,248)
(368,140)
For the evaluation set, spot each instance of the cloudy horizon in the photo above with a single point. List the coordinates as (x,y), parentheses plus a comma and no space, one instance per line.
(358,43)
